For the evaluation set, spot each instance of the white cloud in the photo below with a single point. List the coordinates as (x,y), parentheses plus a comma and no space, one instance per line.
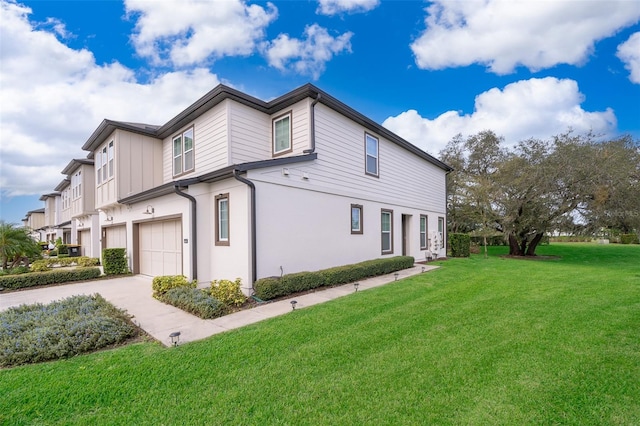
(538,108)
(306,56)
(194,32)
(333,7)
(505,34)
(629,53)
(54,97)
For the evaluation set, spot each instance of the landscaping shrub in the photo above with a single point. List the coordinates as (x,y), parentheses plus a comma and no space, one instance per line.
(48,277)
(15,271)
(62,249)
(46,264)
(114,261)
(272,287)
(78,324)
(228,292)
(629,239)
(195,301)
(460,245)
(164,283)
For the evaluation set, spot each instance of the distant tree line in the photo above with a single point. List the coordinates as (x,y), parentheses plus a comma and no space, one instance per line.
(569,183)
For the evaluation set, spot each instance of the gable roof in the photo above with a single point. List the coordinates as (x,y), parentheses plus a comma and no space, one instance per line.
(74,164)
(222,92)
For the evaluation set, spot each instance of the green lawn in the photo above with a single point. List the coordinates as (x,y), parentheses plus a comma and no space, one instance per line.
(479,341)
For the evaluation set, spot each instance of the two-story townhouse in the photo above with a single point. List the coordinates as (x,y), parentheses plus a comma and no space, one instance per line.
(51,216)
(34,222)
(64,210)
(234,186)
(85,224)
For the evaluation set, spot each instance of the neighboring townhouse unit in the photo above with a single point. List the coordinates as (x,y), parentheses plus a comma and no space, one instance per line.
(34,222)
(237,187)
(85,224)
(52,206)
(64,212)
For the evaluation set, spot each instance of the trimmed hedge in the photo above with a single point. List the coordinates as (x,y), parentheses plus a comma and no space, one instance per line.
(272,287)
(114,261)
(195,301)
(50,277)
(164,283)
(78,324)
(629,239)
(460,245)
(45,264)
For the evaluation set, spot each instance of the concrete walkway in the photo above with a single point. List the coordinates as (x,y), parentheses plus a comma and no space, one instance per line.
(133,294)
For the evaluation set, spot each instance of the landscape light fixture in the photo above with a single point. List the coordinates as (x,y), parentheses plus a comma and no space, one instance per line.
(175,338)
(396,276)
(423,269)
(293,305)
(356,286)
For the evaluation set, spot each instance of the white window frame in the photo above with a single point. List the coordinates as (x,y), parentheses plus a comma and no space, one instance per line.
(369,154)
(424,232)
(441,230)
(274,126)
(183,156)
(110,149)
(359,229)
(222,240)
(98,164)
(104,164)
(383,213)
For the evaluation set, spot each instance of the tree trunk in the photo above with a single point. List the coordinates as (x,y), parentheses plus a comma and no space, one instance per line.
(531,251)
(514,247)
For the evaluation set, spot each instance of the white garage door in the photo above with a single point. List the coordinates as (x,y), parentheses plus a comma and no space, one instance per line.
(116,237)
(84,240)
(161,248)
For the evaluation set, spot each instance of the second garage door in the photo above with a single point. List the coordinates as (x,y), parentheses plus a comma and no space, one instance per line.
(161,248)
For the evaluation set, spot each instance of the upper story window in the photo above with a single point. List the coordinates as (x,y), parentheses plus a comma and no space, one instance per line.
(110,159)
(98,164)
(282,134)
(371,154)
(104,163)
(76,185)
(183,158)
(423,232)
(356,219)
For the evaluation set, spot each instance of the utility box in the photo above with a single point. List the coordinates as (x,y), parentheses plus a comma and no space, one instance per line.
(74,251)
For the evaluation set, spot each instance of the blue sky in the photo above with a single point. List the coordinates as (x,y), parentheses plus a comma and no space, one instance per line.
(425,70)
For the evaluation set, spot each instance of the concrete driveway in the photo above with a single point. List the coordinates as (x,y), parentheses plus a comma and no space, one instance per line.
(133,294)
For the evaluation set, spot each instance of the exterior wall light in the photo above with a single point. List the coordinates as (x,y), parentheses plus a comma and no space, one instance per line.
(150,210)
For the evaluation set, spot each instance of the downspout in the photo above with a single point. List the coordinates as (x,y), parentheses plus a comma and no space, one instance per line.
(254,249)
(194,231)
(312,119)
